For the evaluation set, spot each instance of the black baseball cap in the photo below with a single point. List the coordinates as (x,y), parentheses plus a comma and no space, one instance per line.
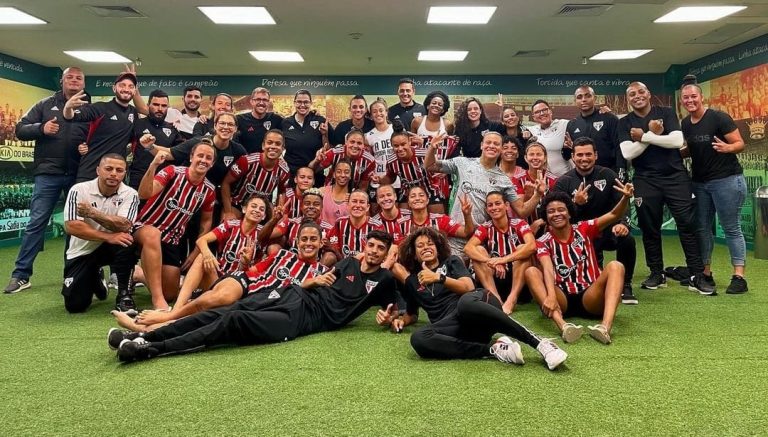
(123,76)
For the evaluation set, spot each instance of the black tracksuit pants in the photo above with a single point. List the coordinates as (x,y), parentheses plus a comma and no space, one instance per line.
(626,252)
(468,331)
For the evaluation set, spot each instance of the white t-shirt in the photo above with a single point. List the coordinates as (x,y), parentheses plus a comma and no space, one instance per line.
(124,203)
(381,147)
(181,121)
(553,138)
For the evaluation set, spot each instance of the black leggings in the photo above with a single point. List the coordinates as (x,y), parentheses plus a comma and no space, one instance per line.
(468,331)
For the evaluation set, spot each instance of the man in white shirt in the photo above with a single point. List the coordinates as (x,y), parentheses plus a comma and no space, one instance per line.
(184,121)
(98,215)
(553,135)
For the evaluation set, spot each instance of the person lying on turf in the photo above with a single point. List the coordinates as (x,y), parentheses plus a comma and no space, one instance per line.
(570,282)
(331,302)
(463,319)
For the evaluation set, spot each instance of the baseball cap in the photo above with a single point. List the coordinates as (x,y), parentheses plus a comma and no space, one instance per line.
(130,76)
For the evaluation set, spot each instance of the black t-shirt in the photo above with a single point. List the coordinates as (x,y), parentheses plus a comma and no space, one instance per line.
(202,129)
(406,115)
(436,299)
(110,131)
(469,144)
(602,197)
(165,135)
(333,307)
(706,163)
(224,158)
(251,130)
(303,142)
(655,160)
(342,129)
(601,128)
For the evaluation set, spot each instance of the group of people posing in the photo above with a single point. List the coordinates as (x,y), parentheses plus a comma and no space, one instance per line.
(284,227)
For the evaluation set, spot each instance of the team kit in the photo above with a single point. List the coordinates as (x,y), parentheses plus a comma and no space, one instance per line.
(256,228)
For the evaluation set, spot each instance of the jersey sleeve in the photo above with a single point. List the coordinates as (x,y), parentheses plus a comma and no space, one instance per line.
(448,166)
(334,238)
(209,202)
(521,228)
(542,250)
(222,231)
(589,228)
(181,152)
(88,112)
(519,185)
(455,268)
(130,207)
(165,175)
(725,123)
(448,225)
(481,233)
(70,208)
(328,158)
(239,167)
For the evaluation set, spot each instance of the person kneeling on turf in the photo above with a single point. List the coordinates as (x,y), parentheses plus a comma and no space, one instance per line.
(281,315)
(464,319)
(570,282)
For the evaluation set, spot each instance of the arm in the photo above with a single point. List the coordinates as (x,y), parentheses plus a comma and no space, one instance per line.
(733,143)
(30,127)
(226,195)
(114,223)
(614,215)
(84,231)
(632,149)
(209,259)
(673,140)
(149,186)
(550,301)
(471,250)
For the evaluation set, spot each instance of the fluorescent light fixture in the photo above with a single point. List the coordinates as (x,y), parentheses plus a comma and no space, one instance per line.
(699,13)
(611,55)
(277,56)
(237,14)
(460,14)
(97,56)
(442,55)
(15,16)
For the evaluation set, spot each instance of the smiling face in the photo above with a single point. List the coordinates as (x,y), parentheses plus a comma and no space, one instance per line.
(417,199)
(509,118)
(495,206)
(379,113)
(72,81)
(435,106)
(375,252)
(557,215)
(584,157)
(354,144)
(192,100)
(272,145)
(491,145)
(357,109)
(222,104)
(358,204)
(542,114)
(309,243)
(124,91)
(474,111)
(255,210)
(225,127)
(202,159)
(311,206)
(536,157)
(509,152)
(386,197)
(691,98)
(302,103)
(260,103)
(342,173)
(304,179)
(638,96)
(405,93)
(426,249)
(401,145)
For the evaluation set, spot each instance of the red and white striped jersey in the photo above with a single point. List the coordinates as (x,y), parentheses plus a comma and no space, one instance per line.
(230,241)
(362,166)
(251,177)
(289,228)
(349,240)
(411,173)
(281,269)
(502,243)
(550,180)
(576,266)
(441,222)
(172,207)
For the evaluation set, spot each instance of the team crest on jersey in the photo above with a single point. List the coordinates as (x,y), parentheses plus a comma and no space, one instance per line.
(638,201)
(68,282)
(600,185)
(55,108)
(167,131)
(117,202)
(274,295)
(597,125)
(314,124)
(442,270)
(267,125)
(282,273)
(130,118)
(370,285)
(228,160)
(200,196)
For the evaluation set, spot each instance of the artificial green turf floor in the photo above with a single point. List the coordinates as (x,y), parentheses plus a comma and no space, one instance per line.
(681,364)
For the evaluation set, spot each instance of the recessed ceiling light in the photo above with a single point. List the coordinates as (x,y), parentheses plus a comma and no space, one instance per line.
(460,14)
(15,16)
(698,13)
(610,55)
(442,55)
(237,14)
(97,56)
(277,56)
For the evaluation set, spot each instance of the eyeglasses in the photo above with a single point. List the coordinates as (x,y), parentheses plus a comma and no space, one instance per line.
(303,102)
(541,111)
(224,124)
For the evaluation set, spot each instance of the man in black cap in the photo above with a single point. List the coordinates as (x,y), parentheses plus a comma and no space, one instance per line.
(111,123)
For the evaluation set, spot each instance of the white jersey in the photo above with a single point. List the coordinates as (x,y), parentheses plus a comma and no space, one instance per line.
(553,138)
(381,148)
(124,203)
(180,120)
(424,132)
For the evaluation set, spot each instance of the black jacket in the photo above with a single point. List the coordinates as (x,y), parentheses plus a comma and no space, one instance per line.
(602,197)
(57,154)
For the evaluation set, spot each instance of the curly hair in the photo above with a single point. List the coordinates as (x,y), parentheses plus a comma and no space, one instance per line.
(557,196)
(463,127)
(267,206)
(407,251)
(443,96)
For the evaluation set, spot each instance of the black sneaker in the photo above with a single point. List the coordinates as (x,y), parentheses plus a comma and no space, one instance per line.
(116,336)
(700,283)
(136,350)
(627,297)
(15,285)
(678,273)
(101,292)
(654,281)
(124,303)
(738,285)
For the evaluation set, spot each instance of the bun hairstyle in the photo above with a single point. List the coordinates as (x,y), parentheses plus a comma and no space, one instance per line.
(398,129)
(690,80)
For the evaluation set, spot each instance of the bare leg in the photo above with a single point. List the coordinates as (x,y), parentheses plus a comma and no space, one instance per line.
(518,281)
(535,280)
(171,278)
(148,237)
(226,292)
(604,296)
(191,281)
(127,322)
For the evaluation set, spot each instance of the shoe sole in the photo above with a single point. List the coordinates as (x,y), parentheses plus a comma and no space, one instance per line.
(735,292)
(599,335)
(18,289)
(646,287)
(518,352)
(556,364)
(109,334)
(572,333)
(702,292)
(629,301)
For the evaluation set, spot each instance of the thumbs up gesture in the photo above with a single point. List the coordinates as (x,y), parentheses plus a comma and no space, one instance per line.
(51,127)
(427,276)
(385,317)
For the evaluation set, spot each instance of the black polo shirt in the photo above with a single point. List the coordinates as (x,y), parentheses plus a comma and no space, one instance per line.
(303,141)
(342,129)
(406,114)
(469,144)
(165,135)
(655,160)
(251,130)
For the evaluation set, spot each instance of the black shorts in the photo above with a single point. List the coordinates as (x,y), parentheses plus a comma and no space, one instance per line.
(504,287)
(172,254)
(241,278)
(576,306)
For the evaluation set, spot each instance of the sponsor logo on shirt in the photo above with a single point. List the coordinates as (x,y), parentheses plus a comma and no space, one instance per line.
(173,204)
(577,130)
(351,278)
(415,114)
(114,117)
(55,108)
(282,273)
(291,128)
(274,295)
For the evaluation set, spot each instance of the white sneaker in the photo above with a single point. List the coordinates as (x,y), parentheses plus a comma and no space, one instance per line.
(552,354)
(599,333)
(507,350)
(572,332)
(112,281)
